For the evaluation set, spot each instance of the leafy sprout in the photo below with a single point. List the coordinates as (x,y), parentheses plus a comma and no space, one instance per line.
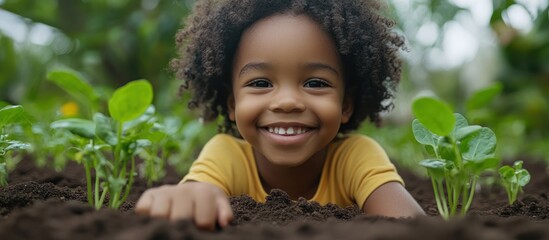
(11,114)
(459,153)
(113,143)
(513,180)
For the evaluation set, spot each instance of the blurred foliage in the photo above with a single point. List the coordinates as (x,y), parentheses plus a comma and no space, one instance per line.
(108,43)
(518,65)
(111,42)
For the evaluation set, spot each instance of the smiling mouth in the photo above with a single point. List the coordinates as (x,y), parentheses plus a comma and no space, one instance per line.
(288,131)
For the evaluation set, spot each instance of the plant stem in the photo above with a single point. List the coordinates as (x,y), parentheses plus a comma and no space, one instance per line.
(118,149)
(448,188)
(3,177)
(130,182)
(509,195)
(514,192)
(465,208)
(88,182)
(102,199)
(458,162)
(443,198)
(118,165)
(97,203)
(437,199)
(3,169)
(114,199)
(87,170)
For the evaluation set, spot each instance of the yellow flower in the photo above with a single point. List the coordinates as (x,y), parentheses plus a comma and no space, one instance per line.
(69,109)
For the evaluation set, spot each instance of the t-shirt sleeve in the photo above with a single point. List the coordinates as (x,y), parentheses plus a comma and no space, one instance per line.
(366,167)
(213,164)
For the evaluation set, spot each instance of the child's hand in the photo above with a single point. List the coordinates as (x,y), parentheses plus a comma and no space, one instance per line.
(205,203)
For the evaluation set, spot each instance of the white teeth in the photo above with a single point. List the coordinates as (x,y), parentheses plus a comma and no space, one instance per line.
(290,130)
(287,131)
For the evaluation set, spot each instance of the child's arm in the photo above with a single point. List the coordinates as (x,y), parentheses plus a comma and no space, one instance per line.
(204,203)
(391,199)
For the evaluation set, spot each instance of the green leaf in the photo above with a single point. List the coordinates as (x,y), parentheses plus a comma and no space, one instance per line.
(479,165)
(131,100)
(461,121)
(422,135)
(155,136)
(466,131)
(479,146)
(518,164)
(523,177)
(3,104)
(139,144)
(74,85)
(116,183)
(435,167)
(145,117)
(104,129)
(430,150)
(435,115)
(446,150)
(483,97)
(12,114)
(80,127)
(506,173)
(15,145)
(433,163)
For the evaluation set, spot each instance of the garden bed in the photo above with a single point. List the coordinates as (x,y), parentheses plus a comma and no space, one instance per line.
(40,203)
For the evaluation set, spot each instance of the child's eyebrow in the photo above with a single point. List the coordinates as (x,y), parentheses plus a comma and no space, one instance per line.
(255,66)
(309,65)
(319,65)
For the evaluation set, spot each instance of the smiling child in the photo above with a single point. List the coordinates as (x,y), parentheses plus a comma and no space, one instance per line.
(291,78)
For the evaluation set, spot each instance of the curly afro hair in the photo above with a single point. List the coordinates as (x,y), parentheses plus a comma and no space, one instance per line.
(364,39)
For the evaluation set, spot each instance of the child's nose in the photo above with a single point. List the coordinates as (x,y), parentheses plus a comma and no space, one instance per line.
(287,100)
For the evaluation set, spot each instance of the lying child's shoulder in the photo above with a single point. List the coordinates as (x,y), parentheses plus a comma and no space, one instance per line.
(355,140)
(224,138)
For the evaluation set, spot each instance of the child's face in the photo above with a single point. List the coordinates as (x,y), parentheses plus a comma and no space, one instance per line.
(288,89)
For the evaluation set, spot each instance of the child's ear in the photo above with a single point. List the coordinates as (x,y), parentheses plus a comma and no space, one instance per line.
(347,109)
(231,106)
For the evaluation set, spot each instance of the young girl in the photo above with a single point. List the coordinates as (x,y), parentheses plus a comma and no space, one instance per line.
(291,78)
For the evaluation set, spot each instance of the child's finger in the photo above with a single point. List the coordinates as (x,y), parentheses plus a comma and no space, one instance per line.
(143,205)
(182,209)
(205,214)
(160,207)
(224,212)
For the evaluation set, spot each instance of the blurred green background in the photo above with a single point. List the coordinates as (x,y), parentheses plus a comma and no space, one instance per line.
(455,48)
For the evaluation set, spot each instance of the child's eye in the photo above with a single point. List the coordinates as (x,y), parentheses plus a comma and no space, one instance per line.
(259,83)
(316,83)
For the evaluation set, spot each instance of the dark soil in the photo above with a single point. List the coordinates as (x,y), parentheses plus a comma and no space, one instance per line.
(40,203)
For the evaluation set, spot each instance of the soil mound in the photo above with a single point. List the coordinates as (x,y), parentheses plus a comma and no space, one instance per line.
(34,206)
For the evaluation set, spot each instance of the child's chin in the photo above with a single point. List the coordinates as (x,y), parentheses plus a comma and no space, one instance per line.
(286,161)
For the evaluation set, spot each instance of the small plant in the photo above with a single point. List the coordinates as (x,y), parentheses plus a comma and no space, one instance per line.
(513,180)
(11,114)
(111,144)
(460,153)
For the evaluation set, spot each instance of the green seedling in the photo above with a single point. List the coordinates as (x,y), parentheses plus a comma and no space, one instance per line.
(9,115)
(513,180)
(111,144)
(459,153)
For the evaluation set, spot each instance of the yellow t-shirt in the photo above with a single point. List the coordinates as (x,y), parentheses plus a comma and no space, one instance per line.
(355,166)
